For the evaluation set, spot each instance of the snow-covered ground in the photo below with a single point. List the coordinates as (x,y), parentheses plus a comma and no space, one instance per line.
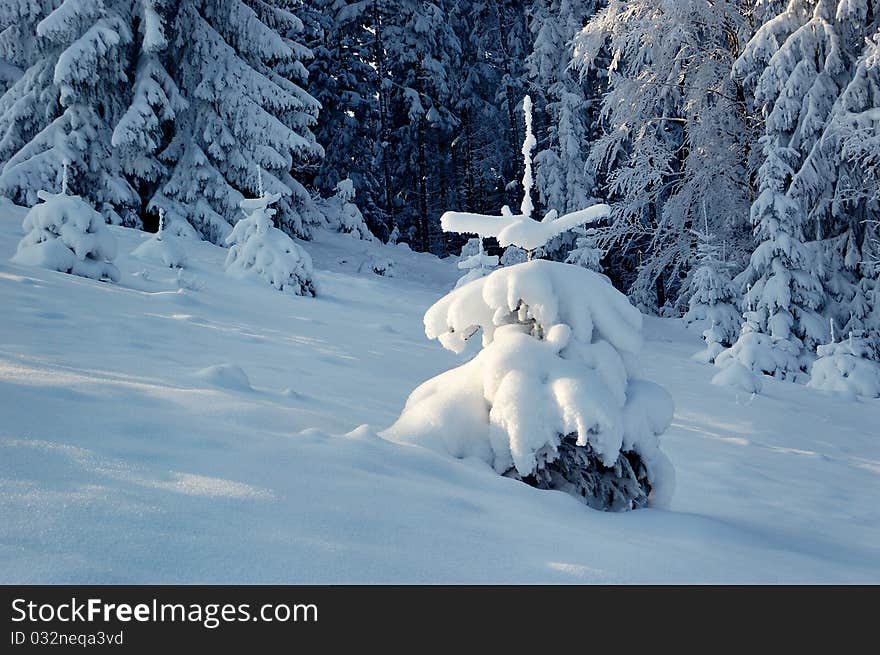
(150,434)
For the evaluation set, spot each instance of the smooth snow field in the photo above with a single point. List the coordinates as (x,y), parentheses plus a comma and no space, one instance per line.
(210,429)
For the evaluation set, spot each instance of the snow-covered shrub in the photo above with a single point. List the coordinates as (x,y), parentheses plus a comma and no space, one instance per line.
(712,301)
(759,352)
(64,233)
(342,214)
(475,261)
(256,246)
(553,399)
(844,367)
(162,248)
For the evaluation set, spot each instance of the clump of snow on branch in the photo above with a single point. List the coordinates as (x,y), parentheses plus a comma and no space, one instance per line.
(520,229)
(257,247)
(64,233)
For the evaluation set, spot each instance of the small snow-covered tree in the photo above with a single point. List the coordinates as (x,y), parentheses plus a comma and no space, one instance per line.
(63,233)
(256,246)
(844,367)
(475,261)
(341,214)
(553,398)
(162,248)
(759,352)
(586,252)
(786,291)
(712,302)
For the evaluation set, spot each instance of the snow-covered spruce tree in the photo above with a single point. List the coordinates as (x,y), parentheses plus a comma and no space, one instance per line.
(553,398)
(674,135)
(155,101)
(712,302)
(421,50)
(18,21)
(839,178)
(65,105)
(257,247)
(475,261)
(799,63)
(240,71)
(786,293)
(344,78)
(564,183)
(32,102)
(63,233)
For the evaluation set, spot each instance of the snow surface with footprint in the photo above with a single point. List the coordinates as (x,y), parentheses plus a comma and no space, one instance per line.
(200,428)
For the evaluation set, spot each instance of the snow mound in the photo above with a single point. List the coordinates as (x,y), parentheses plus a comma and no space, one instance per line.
(558,364)
(163,250)
(378,265)
(227,376)
(63,233)
(842,368)
(738,376)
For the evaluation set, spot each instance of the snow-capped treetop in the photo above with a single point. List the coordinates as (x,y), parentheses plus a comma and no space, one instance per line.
(519,229)
(527,207)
